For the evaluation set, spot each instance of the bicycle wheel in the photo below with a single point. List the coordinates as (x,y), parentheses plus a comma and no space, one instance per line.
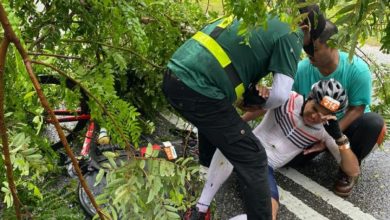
(69,105)
(90,179)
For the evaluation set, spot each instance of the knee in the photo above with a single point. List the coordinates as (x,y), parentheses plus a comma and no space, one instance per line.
(382,134)
(373,121)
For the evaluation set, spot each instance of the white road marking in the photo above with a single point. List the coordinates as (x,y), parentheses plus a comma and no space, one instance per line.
(296,206)
(179,122)
(344,206)
(292,203)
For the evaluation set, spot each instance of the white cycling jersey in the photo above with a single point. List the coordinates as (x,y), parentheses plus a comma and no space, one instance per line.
(284,134)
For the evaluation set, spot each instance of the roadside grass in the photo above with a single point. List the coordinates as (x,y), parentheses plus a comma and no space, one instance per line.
(212,5)
(373,41)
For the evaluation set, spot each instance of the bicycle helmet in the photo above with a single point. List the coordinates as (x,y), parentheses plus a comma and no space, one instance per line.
(329,94)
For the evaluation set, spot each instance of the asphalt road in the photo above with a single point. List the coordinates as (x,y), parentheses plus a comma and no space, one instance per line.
(306,191)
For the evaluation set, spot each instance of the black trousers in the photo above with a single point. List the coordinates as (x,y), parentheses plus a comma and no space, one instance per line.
(362,134)
(219,125)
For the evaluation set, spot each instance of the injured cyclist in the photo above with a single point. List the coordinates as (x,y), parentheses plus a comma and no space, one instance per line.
(297,126)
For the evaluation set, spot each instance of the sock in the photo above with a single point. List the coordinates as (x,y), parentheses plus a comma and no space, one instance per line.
(219,170)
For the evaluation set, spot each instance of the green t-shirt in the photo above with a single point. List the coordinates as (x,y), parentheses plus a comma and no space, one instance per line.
(276,49)
(355,76)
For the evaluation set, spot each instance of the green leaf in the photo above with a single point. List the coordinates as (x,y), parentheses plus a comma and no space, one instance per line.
(18,141)
(37,192)
(99,177)
(362,9)
(110,154)
(6,115)
(114,214)
(155,170)
(8,200)
(119,195)
(150,196)
(142,164)
(120,61)
(186,161)
(112,162)
(5,189)
(170,208)
(163,168)
(346,9)
(34,157)
(173,215)
(149,150)
(155,153)
(346,18)
(29,95)
(29,151)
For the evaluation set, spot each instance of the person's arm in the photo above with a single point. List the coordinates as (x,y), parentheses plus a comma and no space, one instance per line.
(352,113)
(249,116)
(280,92)
(275,97)
(349,162)
(359,92)
(345,157)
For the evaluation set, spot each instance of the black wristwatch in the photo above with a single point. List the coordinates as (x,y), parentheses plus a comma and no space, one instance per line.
(343,140)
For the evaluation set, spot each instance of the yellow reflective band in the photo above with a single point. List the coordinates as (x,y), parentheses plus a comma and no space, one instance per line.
(215,19)
(217,51)
(213,47)
(228,19)
(239,90)
(226,22)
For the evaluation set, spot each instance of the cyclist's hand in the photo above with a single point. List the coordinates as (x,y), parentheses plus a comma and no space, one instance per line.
(253,98)
(333,129)
(263,91)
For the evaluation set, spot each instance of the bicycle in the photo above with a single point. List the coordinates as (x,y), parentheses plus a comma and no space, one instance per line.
(74,118)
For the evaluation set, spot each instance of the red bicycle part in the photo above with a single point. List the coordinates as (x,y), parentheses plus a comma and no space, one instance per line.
(154,147)
(87,140)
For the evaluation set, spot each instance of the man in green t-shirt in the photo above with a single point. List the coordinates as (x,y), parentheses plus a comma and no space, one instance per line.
(213,70)
(363,128)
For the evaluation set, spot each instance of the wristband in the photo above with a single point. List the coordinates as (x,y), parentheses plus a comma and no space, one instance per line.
(345,146)
(344,140)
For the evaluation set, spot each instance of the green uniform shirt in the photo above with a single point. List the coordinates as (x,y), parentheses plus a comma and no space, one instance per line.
(276,49)
(354,76)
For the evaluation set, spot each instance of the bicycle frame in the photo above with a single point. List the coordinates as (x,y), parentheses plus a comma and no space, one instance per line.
(69,116)
(87,141)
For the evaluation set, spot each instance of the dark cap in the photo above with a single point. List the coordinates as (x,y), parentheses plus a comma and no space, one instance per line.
(316,19)
(317,23)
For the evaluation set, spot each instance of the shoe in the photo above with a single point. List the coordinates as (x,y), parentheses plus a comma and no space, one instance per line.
(344,184)
(194,214)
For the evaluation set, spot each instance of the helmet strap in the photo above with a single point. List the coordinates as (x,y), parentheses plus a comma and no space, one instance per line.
(304,104)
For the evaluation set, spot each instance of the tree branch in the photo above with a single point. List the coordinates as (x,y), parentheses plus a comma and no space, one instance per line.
(3,131)
(11,37)
(54,55)
(207,7)
(38,41)
(117,48)
(376,73)
(129,147)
